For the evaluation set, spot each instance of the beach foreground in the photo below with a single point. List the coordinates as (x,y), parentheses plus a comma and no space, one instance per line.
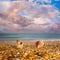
(50,51)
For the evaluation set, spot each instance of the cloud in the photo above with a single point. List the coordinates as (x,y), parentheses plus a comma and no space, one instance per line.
(4,5)
(28,17)
(41,20)
(41,11)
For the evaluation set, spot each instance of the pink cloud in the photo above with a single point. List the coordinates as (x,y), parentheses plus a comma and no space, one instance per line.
(37,20)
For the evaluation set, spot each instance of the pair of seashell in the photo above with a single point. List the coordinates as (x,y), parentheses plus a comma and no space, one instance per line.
(37,44)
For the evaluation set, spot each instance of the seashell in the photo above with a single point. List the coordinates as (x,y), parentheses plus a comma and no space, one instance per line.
(19,44)
(18,53)
(39,44)
(16,59)
(36,44)
(25,54)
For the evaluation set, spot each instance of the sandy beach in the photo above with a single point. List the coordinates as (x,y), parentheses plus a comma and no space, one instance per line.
(29,29)
(49,51)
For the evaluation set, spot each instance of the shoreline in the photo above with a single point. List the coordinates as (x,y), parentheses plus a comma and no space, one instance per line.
(12,40)
(25,41)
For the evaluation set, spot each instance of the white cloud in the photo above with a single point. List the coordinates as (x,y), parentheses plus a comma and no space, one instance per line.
(4,5)
(41,20)
(47,1)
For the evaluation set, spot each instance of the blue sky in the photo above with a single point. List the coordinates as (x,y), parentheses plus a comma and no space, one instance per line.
(56,3)
(29,16)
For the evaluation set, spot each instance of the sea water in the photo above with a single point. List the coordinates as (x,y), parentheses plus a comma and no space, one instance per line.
(29,37)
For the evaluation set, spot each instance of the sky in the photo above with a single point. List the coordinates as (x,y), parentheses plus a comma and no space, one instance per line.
(29,16)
